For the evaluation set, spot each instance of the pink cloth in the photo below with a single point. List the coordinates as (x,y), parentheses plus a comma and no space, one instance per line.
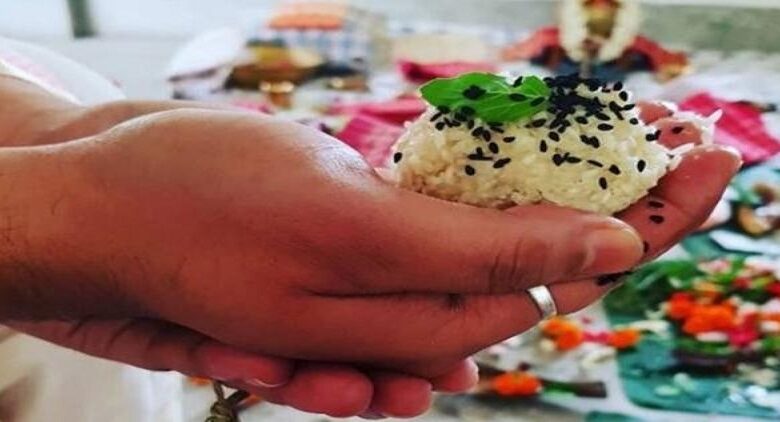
(740,127)
(31,68)
(396,111)
(371,137)
(419,72)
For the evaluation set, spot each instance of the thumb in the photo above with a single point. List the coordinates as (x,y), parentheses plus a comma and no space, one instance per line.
(429,245)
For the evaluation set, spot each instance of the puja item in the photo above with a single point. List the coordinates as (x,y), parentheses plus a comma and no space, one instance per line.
(346,36)
(273,63)
(278,93)
(491,142)
(723,339)
(598,38)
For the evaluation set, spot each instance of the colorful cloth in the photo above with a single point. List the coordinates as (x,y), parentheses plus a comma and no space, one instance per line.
(372,137)
(740,127)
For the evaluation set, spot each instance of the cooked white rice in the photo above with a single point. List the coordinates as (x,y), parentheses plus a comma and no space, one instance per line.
(525,164)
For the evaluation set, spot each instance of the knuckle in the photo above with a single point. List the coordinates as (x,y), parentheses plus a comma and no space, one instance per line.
(519,264)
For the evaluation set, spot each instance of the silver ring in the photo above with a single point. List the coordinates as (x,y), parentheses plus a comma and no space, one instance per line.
(544,301)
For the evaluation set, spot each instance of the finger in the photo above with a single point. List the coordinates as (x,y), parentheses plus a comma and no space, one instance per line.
(93,120)
(160,346)
(675,132)
(435,327)
(334,390)
(453,248)
(463,377)
(400,396)
(650,111)
(683,199)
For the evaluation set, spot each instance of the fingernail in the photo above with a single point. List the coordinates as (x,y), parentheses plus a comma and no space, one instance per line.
(256,382)
(371,415)
(612,250)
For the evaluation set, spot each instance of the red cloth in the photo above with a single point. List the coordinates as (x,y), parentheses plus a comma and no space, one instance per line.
(533,46)
(421,73)
(371,137)
(396,111)
(740,127)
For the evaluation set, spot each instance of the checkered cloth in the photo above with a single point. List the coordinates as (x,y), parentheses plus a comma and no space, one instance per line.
(740,127)
(337,46)
(489,34)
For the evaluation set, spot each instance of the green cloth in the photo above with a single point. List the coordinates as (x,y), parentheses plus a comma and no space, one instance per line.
(610,417)
(650,365)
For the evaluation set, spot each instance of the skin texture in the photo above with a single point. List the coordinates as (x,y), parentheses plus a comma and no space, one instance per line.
(190,230)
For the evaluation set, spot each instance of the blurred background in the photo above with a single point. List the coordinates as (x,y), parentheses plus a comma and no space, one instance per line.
(694,336)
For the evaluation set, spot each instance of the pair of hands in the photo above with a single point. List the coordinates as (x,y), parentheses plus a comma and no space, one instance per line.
(205,234)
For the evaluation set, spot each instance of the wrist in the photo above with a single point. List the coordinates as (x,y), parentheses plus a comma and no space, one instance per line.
(42,272)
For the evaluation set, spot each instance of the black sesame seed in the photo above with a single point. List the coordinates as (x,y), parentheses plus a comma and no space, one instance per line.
(573,160)
(436,116)
(652,136)
(542,146)
(479,157)
(501,163)
(517,97)
(640,165)
(615,108)
(613,278)
(486,135)
(493,147)
(602,116)
(554,136)
(623,96)
(470,170)
(595,163)
(440,126)
(629,107)
(655,204)
(678,130)
(538,123)
(497,129)
(614,169)
(618,86)
(657,219)
(603,183)
(509,139)
(581,120)
(605,127)
(558,159)
(634,121)
(537,102)
(477,132)
(518,82)
(470,124)
(397,157)
(468,111)
(473,92)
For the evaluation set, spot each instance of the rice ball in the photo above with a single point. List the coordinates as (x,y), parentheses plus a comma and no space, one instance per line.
(589,150)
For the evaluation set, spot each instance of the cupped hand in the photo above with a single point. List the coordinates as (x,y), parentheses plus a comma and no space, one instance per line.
(336,390)
(274,238)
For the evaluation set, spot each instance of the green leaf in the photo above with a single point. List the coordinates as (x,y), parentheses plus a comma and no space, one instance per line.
(496,104)
(534,86)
